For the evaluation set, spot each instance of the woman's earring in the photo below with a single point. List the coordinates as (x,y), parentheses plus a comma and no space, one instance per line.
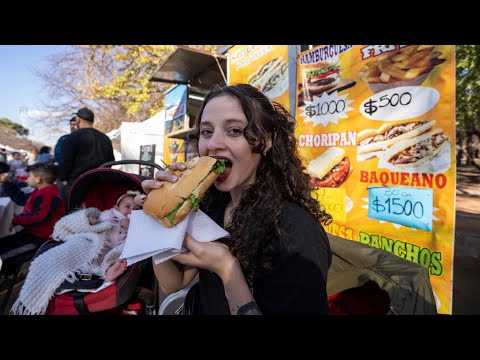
(265,152)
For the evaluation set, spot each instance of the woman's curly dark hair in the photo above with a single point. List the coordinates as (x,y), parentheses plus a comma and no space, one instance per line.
(255,229)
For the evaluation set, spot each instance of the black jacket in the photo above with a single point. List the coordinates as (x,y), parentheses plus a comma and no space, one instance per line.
(84,150)
(60,149)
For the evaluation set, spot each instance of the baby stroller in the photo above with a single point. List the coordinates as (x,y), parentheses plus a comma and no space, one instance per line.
(134,291)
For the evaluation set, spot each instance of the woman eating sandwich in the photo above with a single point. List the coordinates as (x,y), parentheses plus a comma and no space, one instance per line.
(277,256)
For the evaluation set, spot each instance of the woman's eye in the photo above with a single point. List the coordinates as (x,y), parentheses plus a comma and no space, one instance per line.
(235,132)
(205,132)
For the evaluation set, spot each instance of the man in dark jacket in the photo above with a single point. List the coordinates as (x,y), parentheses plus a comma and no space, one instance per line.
(59,148)
(58,154)
(83,150)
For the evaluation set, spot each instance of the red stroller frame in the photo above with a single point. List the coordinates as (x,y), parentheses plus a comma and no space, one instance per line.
(100,188)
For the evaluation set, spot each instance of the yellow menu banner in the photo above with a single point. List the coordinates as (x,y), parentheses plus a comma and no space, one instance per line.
(376,131)
(335,202)
(262,66)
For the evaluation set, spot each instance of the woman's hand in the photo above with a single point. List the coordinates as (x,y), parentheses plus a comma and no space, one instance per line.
(166,175)
(213,256)
(216,257)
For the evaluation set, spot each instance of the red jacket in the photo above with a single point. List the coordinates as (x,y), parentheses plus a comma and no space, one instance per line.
(43,209)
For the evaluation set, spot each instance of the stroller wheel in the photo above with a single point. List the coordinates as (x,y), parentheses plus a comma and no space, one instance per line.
(173,303)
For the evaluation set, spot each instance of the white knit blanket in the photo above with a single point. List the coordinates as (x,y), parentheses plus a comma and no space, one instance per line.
(63,262)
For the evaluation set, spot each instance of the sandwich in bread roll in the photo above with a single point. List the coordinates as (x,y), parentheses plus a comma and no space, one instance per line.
(269,75)
(417,151)
(330,169)
(173,201)
(275,77)
(370,140)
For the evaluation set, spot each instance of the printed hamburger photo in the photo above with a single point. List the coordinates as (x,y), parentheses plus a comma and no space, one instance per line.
(330,169)
(320,77)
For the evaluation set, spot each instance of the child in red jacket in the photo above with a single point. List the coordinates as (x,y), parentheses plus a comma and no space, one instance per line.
(43,208)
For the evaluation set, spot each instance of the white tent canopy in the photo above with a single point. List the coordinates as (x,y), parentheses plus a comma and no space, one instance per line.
(136,134)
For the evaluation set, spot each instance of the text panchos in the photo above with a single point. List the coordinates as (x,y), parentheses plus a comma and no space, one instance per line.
(432,260)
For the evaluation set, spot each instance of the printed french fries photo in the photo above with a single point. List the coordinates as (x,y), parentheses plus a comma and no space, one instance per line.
(408,66)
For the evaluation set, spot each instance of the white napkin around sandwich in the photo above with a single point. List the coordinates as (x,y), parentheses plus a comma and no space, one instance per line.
(147,237)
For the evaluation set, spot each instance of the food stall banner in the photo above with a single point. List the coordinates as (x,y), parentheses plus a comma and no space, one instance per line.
(175,120)
(376,131)
(262,66)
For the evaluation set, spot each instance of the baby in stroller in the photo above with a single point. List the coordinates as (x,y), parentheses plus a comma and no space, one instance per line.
(111,267)
(92,244)
(133,291)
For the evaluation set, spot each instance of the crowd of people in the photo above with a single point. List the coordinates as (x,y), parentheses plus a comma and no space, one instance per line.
(49,178)
(84,148)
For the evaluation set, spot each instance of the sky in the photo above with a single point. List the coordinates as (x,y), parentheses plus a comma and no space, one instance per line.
(21,91)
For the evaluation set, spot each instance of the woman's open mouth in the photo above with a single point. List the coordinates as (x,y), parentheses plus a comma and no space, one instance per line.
(228,168)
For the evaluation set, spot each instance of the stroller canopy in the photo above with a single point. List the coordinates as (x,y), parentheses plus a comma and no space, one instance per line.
(407,283)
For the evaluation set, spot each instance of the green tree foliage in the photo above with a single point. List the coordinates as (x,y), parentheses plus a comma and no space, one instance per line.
(123,75)
(468,86)
(13,125)
(113,80)
(468,101)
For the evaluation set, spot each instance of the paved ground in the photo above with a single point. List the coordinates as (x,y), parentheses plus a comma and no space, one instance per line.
(466,289)
(466,292)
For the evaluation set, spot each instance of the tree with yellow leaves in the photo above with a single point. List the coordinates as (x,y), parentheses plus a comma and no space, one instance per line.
(113,80)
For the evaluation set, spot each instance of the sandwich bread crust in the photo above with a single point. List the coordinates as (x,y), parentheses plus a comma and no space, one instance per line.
(161,202)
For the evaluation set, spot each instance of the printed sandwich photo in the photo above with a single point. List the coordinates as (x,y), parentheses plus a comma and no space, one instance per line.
(370,140)
(417,151)
(171,203)
(330,169)
(270,76)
